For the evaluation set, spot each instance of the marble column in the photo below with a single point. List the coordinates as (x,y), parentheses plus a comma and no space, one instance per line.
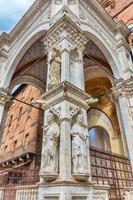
(123,51)
(122,91)
(4,98)
(65,161)
(126,126)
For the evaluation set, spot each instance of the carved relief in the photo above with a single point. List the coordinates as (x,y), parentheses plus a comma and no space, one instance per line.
(100,195)
(50,151)
(79,147)
(55,69)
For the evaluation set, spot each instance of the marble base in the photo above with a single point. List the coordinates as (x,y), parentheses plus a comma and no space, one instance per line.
(72,192)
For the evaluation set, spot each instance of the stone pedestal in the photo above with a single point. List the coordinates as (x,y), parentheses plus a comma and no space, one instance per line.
(65,165)
(67,104)
(69,191)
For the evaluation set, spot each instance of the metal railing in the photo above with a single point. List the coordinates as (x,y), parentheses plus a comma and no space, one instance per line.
(111,169)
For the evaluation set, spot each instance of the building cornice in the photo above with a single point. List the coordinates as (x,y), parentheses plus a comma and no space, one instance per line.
(105,17)
(34,11)
(38,8)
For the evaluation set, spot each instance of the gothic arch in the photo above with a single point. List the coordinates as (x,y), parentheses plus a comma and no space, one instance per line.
(99,138)
(28,123)
(98,118)
(20,48)
(29,80)
(105,47)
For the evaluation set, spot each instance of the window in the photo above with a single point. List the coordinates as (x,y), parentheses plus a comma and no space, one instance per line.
(20,113)
(6,148)
(26,139)
(15,144)
(10,122)
(30,107)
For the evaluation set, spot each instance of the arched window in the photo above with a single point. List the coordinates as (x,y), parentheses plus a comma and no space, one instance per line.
(6,148)
(26,139)
(10,122)
(30,107)
(15,144)
(99,138)
(20,113)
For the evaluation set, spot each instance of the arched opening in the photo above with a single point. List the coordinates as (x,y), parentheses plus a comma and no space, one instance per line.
(99,77)
(99,138)
(28,82)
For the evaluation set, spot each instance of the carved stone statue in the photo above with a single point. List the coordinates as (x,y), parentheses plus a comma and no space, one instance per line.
(79,147)
(51,141)
(55,70)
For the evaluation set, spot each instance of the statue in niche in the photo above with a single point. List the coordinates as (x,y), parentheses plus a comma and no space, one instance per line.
(55,70)
(79,147)
(51,141)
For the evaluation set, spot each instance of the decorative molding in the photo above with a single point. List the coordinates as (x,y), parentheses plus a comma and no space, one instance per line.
(122,88)
(64,29)
(66,91)
(56,111)
(74,111)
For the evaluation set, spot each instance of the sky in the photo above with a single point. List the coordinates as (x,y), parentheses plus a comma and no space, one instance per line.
(11,12)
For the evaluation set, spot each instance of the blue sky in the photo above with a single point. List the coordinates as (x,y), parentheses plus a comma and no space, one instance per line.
(11,12)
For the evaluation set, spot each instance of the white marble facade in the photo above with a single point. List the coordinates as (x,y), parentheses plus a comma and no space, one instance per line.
(65,27)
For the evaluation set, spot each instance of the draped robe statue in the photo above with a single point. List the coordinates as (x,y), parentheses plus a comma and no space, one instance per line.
(55,70)
(79,147)
(51,141)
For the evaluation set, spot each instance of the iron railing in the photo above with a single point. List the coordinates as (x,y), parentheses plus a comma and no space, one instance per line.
(113,170)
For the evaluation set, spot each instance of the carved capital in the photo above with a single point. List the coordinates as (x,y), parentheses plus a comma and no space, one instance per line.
(4,97)
(64,29)
(122,88)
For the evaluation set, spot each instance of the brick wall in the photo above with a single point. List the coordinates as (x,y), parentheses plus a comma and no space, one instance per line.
(22,126)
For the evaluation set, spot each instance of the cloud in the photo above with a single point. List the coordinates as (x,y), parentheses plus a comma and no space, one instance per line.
(11,12)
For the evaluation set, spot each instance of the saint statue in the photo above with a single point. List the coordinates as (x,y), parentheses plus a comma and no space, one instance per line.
(51,141)
(55,70)
(79,147)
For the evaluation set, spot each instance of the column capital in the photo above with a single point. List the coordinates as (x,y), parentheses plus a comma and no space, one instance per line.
(122,88)
(4,97)
(66,30)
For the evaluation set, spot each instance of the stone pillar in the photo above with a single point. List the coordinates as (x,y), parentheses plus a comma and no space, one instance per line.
(65,162)
(4,98)
(125,125)
(122,90)
(123,50)
(65,51)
